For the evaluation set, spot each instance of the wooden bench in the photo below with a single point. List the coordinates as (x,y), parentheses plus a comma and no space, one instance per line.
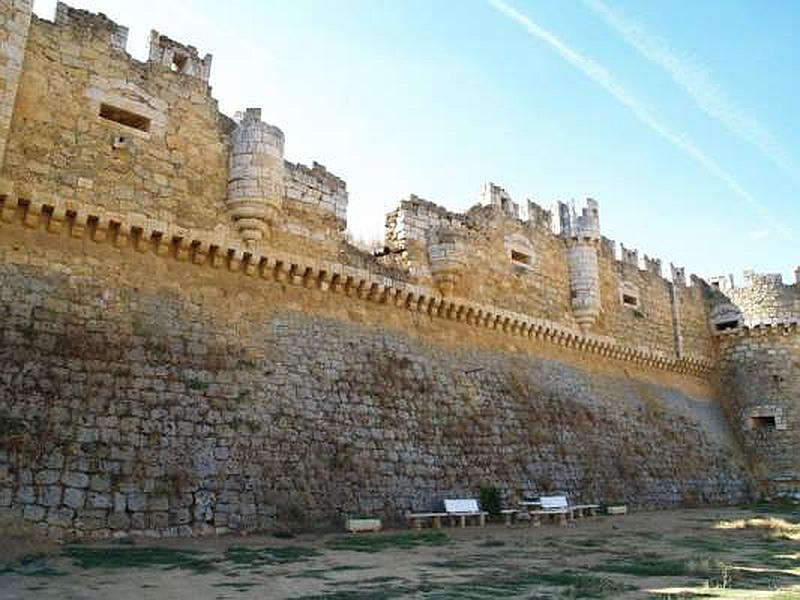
(462,508)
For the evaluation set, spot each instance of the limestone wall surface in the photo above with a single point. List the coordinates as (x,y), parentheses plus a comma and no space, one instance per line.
(763,299)
(142,393)
(16,19)
(760,376)
(61,145)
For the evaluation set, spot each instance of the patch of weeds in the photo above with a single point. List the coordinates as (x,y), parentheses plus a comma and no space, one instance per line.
(743,578)
(34,565)
(382,593)
(282,534)
(256,557)
(778,506)
(647,565)
(379,542)
(324,572)
(779,557)
(239,586)
(195,384)
(134,557)
(681,595)
(576,585)
(585,545)
(463,563)
(704,544)
(378,580)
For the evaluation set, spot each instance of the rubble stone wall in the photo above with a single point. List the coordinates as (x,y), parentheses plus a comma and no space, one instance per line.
(760,373)
(143,393)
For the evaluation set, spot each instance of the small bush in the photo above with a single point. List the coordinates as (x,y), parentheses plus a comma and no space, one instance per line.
(491,500)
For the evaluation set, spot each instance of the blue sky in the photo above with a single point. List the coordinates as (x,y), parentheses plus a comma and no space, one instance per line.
(681,118)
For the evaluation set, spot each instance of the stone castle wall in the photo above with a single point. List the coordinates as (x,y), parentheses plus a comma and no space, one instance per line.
(141,392)
(764,299)
(190,344)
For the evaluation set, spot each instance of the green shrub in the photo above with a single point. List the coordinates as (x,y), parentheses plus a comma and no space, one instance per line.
(491,500)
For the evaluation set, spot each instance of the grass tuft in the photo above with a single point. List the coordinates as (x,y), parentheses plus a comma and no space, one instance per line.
(256,557)
(134,557)
(384,541)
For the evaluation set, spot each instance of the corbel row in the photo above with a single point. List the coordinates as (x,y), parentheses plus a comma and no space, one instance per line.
(201,248)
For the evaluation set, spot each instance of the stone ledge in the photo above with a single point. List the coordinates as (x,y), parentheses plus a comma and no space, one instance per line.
(775,328)
(219,251)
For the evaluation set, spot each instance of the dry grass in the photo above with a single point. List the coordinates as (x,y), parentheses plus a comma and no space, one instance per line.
(774,526)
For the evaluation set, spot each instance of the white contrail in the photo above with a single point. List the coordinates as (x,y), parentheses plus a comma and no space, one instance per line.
(696,82)
(602,77)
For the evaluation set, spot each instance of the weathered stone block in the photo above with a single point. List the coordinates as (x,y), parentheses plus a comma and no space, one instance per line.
(100,482)
(50,495)
(100,500)
(75,479)
(136,501)
(34,512)
(74,498)
(60,517)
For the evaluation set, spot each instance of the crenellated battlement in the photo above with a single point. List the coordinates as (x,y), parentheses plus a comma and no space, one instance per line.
(764,299)
(94,24)
(583,225)
(168,54)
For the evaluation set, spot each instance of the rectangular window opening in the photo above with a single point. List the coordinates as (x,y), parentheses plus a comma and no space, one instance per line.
(724,325)
(763,422)
(520,258)
(124,117)
(629,300)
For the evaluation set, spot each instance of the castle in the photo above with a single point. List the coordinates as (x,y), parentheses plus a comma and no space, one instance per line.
(190,344)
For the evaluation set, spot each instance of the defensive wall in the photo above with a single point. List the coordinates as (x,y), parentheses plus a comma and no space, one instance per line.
(190,344)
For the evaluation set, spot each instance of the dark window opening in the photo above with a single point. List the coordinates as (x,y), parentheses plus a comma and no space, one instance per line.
(763,422)
(124,117)
(178,63)
(629,300)
(715,284)
(727,325)
(520,258)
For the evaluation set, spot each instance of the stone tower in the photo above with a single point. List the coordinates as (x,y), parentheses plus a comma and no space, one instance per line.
(581,232)
(447,260)
(255,178)
(15,19)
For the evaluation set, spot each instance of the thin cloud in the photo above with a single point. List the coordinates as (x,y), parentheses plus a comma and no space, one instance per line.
(758,234)
(699,86)
(597,73)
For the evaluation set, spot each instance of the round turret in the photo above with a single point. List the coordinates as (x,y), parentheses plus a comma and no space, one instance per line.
(447,260)
(255,180)
(582,233)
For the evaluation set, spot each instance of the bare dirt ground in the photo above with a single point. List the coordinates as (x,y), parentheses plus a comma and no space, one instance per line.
(703,553)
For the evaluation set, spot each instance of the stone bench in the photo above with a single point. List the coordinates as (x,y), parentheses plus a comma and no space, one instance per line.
(416,520)
(463,508)
(555,507)
(582,510)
